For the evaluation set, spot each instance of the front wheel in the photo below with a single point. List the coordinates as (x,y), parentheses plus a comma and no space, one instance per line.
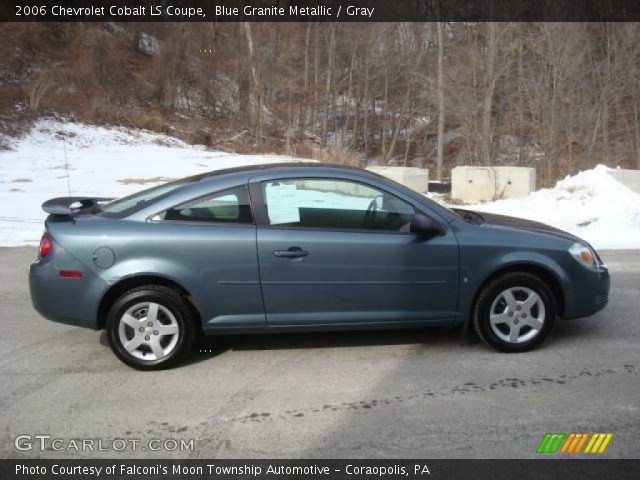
(514,312)
(150,327)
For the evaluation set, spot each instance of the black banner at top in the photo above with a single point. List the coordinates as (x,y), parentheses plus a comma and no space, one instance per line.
(318,10)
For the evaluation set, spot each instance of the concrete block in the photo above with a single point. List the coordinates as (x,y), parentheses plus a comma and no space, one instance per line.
(415,178)
(629,178)
(479,184)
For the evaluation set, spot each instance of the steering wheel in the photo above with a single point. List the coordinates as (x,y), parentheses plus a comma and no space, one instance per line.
(370,215)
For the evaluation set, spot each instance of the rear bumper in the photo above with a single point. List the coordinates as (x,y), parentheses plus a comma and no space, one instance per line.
(65,300)
(587,294)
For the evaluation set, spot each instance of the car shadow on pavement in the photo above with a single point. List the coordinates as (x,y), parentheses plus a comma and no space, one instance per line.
(216,345)
(213,346)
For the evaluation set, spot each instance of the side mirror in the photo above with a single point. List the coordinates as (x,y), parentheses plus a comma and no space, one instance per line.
(425,226)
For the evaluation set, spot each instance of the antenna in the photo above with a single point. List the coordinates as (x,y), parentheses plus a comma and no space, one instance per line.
(66,163)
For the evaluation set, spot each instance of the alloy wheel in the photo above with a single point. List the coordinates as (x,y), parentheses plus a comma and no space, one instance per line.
(517,315)
(148,331)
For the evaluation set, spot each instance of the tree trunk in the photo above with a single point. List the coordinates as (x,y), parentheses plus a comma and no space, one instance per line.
(487,105)
(520,129)
(345,109)
(328,99)
(316,69)
(256,81)
(383,132)
(439,159)
(244,82)
(305,103)
(365,95)
(396,128)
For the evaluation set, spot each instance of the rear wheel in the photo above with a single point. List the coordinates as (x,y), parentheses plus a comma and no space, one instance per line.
(514,312)
(150,327)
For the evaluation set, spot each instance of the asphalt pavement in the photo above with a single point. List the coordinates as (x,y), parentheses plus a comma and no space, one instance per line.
(409,394)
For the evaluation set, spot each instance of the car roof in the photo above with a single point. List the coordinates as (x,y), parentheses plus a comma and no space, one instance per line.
(262,167)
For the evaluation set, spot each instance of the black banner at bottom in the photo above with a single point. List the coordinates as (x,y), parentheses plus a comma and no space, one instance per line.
(319,469)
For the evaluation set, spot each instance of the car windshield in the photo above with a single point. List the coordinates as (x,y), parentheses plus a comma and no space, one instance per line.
(132,203)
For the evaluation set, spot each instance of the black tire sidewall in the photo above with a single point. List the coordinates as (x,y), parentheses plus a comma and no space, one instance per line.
(168,299)
(495,288)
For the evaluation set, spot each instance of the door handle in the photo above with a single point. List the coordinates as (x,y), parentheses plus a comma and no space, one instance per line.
(292,252)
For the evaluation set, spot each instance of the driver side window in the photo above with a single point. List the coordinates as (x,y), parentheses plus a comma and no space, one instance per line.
(324,203)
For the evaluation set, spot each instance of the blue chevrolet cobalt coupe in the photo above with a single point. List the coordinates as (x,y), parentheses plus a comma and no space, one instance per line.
(301,247)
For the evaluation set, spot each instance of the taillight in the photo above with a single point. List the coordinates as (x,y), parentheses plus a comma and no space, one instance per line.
(45,247)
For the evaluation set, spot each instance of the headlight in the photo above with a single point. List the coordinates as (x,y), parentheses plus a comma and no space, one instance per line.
(584,255)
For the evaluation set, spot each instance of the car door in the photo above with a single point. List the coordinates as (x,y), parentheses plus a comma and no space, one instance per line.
(211,240)
(338,250)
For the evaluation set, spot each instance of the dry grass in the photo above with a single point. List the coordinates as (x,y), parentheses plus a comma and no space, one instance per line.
(336,154)
(148,120)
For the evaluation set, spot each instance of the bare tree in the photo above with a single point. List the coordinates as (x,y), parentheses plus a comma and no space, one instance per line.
(256,81)
(440,101)
(490,85)
(557,97)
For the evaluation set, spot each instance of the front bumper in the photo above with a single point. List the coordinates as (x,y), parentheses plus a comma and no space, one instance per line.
(587,294)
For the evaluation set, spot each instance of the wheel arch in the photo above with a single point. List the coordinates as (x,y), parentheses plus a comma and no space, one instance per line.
(543,272)
(116,290)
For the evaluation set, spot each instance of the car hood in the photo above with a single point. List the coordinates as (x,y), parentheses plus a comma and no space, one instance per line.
(524,224)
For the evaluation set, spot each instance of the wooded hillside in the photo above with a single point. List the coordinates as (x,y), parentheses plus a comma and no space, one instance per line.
(557,96)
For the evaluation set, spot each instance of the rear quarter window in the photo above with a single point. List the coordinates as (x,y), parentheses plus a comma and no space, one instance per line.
(125,206)
(227,206)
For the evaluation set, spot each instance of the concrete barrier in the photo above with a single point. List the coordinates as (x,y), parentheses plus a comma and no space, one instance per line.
(629,178)
(478,184)
(415,178)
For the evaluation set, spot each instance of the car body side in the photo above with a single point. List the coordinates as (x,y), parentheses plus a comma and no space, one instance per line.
(217,267)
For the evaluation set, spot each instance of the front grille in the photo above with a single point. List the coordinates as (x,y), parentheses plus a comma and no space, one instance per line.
(602,299)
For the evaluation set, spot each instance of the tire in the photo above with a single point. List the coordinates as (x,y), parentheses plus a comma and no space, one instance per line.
(514,312)
(150,343)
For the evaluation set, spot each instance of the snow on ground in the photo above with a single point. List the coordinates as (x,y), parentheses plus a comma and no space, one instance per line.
(107,162)
(592,205)
(114,162)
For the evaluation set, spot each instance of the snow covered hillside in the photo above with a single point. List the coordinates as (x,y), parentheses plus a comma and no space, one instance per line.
(592,205)
(108,162)
(116,161)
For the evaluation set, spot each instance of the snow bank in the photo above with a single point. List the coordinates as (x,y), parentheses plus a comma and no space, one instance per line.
(592,205)
(108,162)
(116,161)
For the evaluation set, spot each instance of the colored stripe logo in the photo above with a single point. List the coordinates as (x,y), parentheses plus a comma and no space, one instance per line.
(574,443)
(598,443)
(551,442)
